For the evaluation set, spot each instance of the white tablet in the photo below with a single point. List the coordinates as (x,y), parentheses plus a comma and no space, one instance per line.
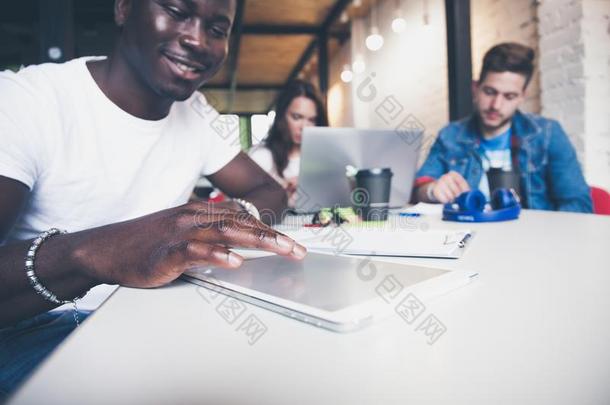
(333,292)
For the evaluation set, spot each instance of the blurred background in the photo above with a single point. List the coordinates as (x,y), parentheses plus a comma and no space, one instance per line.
(379,64)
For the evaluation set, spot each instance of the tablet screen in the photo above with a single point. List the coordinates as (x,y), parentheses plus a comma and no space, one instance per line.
(322,281)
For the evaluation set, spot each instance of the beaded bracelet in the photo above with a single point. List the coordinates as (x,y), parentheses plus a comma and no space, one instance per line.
(34,282)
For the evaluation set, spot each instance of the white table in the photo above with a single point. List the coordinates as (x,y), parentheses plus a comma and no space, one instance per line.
(533,329)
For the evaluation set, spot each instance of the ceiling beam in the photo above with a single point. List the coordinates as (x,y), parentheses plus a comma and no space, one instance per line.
(323,32)
(249,113)
(323,62)
(339,7)
(244,87)
(334,13)
(264,29)
(235,44)
(307,54)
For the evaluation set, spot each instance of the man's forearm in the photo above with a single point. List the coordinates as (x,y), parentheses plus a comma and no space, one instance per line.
(55,270)
(422,193)
(243,178)
(271,200)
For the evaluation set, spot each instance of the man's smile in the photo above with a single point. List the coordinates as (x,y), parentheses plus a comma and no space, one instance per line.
(184,67)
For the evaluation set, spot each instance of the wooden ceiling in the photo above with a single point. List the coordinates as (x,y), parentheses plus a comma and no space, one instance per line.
(269,59)
(293,12)
(273,42)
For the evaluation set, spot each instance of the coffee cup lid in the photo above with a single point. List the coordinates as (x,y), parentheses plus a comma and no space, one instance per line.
(377,171)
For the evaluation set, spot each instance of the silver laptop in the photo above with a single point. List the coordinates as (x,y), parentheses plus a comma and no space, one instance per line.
(325,153)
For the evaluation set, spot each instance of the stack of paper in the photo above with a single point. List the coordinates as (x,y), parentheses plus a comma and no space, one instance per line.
(383,241)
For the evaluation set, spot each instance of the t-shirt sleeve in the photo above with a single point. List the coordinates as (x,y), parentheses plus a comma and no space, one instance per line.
(222,135)
(222,156)
(20,148)
(262,156)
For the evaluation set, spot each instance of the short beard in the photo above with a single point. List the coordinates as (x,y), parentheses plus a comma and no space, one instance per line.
(487,128)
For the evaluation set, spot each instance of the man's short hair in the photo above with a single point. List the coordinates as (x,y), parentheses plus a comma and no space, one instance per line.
(509,57)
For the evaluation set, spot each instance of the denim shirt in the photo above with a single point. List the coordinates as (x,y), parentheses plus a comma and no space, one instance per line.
(551,178)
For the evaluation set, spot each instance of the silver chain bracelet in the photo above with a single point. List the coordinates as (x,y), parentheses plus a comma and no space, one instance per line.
(34,282)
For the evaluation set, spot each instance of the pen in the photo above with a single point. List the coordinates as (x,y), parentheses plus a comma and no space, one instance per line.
(409,214)
(462,243)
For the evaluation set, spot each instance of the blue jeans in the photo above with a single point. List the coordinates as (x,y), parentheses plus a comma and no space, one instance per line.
(26,344)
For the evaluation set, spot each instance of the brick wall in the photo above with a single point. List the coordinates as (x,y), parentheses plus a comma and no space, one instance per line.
(575,80)
(596,33)
(495,21)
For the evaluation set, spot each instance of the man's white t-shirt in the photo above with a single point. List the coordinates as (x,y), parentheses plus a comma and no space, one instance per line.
(263,157)
(87,162)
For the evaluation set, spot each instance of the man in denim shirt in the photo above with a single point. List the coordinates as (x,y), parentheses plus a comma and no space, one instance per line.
(499,136)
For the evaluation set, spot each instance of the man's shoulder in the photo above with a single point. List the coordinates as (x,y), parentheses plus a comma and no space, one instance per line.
(456,125)
(260,150)
(36,81)
(262,155)
(43,71)
(453,129)
(538,119)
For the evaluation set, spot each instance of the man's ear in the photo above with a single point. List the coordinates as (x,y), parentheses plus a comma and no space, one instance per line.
(122,8)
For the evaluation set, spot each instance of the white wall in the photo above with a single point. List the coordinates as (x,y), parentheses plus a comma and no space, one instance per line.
(406,81)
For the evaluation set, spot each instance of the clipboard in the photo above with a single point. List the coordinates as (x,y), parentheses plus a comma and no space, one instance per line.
(384,241)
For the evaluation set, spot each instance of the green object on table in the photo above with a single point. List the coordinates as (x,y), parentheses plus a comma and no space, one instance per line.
(343,215)
(347,214)
(337,215)
(369,224)
(325,216)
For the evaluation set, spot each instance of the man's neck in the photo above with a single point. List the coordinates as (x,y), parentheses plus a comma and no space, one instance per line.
(491,133)
(487,135)
(125,88)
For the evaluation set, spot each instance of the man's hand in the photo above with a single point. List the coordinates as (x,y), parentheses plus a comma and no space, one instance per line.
(291,188)
(156,249)
(243,178)
(448,187)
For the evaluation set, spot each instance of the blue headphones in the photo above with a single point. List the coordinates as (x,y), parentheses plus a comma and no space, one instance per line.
(470,207)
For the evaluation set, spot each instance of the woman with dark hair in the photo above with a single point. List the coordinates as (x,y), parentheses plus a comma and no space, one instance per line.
(298,106)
